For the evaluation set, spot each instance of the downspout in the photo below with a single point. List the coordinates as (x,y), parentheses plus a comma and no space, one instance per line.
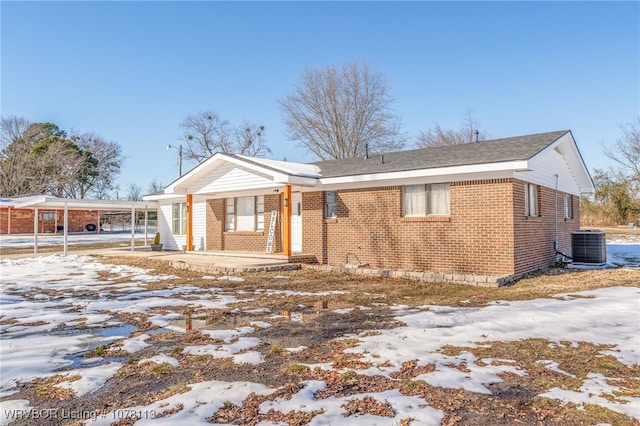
(555,242)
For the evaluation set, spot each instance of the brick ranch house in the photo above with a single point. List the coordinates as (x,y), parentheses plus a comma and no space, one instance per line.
(482,212)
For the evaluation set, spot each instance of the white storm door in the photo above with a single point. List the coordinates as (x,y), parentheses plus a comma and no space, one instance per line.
(296,222)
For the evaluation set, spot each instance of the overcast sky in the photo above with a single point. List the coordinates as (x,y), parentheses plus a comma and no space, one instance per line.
(132,71)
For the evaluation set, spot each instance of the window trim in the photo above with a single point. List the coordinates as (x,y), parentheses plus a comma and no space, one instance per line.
(568,206)
(531,209)
(231,214)
(181,218)
(424,195)
(331,213)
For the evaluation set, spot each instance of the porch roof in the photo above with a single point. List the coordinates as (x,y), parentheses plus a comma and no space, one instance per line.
(45,201)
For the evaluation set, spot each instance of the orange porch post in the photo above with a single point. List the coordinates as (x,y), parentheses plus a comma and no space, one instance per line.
(189,222)
(286,221)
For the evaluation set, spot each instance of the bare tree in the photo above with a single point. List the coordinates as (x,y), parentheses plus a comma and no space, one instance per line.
(99,181)
(437,136)
(335,112)
(155,186)
(249,140)
(134,192)
(14,157)
(626,151)
(206,133)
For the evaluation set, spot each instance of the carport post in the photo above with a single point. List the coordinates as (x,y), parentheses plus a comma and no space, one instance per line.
(146,224)
(35,231)
(133,228)
(66,226)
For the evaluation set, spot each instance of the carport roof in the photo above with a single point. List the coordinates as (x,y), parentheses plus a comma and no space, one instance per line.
(45,201)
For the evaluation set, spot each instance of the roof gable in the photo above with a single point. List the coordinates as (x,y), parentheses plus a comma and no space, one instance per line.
(520,148)
(232,172)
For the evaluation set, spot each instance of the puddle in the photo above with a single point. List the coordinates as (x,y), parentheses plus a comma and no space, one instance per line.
(302,314)
(107,334)
(208,322)
(121,330)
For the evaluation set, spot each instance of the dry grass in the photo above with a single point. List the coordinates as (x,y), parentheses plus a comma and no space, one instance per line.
(513,401)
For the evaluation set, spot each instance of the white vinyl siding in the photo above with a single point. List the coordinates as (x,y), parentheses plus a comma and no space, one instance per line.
(531,200)
(425,200)
(244,214)
(229,177)
(199,225)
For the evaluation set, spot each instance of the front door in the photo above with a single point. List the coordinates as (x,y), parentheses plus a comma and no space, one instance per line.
(296,222)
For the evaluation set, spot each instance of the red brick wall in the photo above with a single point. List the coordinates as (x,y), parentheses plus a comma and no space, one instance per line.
(534,236)
(474,238)
(218,239)
(486,233)
(22,220)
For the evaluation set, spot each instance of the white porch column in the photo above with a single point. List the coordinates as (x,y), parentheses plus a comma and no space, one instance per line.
(66,227)
(146,224)
(133,228)
(35,231)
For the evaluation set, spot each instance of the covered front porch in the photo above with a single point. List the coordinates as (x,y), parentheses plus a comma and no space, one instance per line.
(232,203)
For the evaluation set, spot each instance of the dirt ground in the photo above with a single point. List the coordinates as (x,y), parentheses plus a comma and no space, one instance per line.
(310,321)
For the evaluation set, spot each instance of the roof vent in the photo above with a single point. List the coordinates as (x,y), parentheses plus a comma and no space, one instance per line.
(366,151)
(381,158)
(477,134)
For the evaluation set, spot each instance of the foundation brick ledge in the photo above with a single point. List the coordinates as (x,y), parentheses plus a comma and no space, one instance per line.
(431,277)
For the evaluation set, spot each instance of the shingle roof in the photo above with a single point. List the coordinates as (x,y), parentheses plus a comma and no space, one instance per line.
(519,148)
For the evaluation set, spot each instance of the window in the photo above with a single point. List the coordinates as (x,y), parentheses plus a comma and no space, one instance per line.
(179,218)
(331,205)
(48,216)
(244,214)
(531,200)
(438,199)
(423,200)
(568,207)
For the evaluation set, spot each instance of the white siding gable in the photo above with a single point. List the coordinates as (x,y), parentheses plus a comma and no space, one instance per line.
(545,166)
(228,178)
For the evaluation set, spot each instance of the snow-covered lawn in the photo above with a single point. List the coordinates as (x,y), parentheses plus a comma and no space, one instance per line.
(25,241)
(54,309)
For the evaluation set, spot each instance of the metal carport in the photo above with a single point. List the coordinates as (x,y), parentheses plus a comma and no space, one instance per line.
(44,201)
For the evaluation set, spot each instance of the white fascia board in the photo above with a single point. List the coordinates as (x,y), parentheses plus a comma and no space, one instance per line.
(300,180)
(567,146)
(444,172)
(84,204)
(163,197)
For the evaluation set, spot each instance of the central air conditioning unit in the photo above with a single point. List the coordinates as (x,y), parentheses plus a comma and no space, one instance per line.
(589,246)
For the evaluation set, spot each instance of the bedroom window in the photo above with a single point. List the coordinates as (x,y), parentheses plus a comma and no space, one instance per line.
(568,207)
(330,205)
(425,200)
(179,218)
(531,200)
(244,214)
